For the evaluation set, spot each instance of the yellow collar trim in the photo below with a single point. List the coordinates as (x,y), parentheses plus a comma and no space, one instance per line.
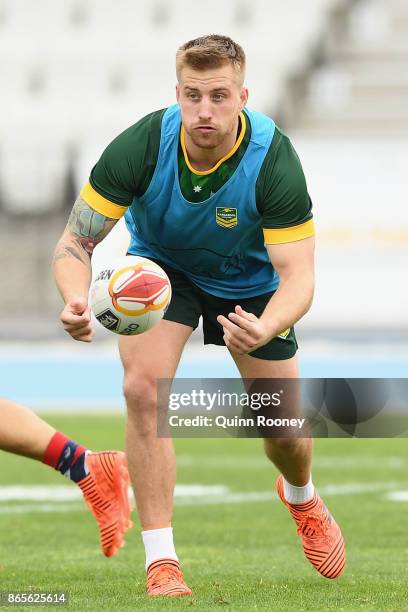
(221,161)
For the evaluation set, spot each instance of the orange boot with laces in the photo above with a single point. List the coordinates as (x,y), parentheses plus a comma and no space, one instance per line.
(164,577)
(322,541)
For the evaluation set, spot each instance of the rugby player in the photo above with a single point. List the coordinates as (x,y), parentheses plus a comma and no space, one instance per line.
(215,193)
(103,477)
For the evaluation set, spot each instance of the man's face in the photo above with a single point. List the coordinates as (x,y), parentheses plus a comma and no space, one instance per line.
(210,102)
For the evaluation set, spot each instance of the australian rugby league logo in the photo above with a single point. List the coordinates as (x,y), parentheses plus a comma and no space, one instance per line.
(226,217)
(144,288)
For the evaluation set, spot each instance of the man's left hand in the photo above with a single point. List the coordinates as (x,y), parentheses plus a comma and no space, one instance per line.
(243,331)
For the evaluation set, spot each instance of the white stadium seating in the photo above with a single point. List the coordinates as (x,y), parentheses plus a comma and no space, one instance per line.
(73,74)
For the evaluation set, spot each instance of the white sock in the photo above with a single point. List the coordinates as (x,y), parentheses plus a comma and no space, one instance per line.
(159,544)
(298,495)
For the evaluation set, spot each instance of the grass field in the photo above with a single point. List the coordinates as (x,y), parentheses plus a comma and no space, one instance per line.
(237,543)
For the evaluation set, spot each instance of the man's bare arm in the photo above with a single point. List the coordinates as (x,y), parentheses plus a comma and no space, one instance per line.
(294,262)
(86,228)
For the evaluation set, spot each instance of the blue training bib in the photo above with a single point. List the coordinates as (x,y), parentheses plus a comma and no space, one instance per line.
(217,243)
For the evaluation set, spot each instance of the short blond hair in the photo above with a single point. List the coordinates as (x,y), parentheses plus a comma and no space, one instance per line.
(211,51)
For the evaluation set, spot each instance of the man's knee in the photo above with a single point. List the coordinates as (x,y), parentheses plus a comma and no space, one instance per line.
(146,400)
(140,390)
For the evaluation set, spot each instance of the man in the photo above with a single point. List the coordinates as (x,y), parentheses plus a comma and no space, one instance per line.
(102,477)
(216,195)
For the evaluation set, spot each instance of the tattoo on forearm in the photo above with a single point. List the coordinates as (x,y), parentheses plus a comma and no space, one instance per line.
(64,250)
(89,226)
(86,229)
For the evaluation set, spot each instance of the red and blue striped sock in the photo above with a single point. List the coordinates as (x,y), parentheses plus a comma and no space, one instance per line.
(67,457)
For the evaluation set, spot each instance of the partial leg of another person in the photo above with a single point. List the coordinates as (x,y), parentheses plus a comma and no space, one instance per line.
(102,477)
(322,540)
(152,464)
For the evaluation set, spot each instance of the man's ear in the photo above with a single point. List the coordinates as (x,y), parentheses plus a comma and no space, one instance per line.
(178,92)
(244,97)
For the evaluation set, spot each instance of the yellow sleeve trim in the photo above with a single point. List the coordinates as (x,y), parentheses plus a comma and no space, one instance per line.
(289,234)
(223,159)
(101,204)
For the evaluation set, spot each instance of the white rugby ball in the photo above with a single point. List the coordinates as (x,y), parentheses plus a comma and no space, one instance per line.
(130,295)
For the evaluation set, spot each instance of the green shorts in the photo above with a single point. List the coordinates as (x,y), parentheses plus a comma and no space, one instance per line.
(189,303)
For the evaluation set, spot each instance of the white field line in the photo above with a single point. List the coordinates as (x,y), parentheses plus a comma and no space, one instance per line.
(255,496)
(398,496)
(40,493)
(72,493)
(40,508)
(185,495)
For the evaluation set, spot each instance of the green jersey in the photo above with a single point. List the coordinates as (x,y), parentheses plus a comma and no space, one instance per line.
(127,165)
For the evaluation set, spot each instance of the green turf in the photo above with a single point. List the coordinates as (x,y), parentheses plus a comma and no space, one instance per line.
(237,556)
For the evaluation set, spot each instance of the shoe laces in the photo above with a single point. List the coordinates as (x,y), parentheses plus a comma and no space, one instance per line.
(162,574)
(313,525)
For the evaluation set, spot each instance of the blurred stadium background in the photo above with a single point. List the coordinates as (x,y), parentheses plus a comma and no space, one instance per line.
(333,74)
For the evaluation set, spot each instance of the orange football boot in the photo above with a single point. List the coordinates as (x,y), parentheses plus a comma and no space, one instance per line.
(105,491)
(164,577)
(322,541)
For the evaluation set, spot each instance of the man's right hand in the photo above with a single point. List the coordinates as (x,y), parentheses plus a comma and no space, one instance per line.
(76,319)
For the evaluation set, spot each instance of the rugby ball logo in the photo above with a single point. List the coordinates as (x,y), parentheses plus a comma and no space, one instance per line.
(136,290)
